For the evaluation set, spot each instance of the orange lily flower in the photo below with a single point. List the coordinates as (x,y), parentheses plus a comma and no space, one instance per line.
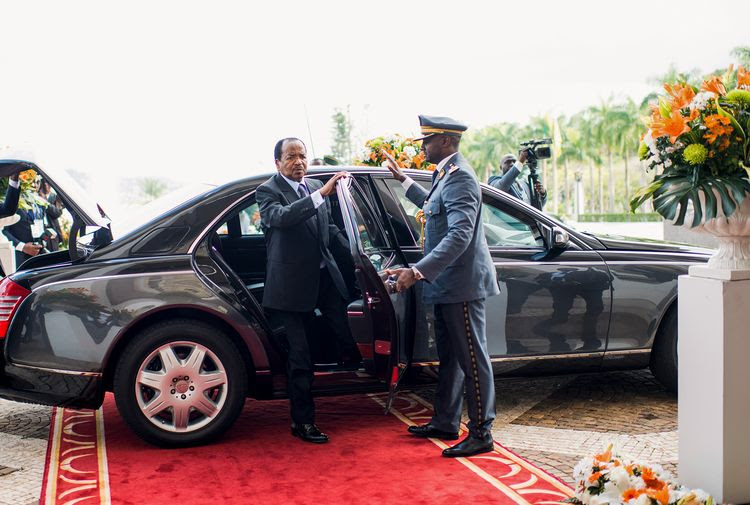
(743,78)
(660,495)
(605,456)
(595,476)
(632,493)
(648,476)
(673,126)
(714,85)
(681,95)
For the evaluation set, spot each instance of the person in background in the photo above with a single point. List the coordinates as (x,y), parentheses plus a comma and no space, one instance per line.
(19,233)
(52,212)
(509,183)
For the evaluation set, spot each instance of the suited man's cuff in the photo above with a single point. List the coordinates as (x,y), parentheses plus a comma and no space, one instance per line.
(13,184)
(19,246)
(317,198)
(406,183)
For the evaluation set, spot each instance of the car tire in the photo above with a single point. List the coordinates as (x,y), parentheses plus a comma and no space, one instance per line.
(168,383)
(664,352)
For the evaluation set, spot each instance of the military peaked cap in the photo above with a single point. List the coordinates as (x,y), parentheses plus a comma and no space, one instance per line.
(438,125)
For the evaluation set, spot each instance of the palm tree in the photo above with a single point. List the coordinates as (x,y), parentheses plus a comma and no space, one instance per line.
(742,53)
(609,119)
(484,148)
(629,141)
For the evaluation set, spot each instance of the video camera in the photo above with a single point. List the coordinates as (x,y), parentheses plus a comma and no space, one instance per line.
(536,149)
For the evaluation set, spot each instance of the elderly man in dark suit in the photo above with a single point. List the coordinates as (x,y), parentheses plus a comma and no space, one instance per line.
(459,274)
(301,273)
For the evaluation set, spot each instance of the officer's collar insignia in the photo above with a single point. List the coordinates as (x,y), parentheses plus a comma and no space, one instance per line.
(454,167)
(441,173)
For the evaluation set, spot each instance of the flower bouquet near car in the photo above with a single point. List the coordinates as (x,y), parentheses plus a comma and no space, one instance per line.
(698,145)
(610,478)
(404,150)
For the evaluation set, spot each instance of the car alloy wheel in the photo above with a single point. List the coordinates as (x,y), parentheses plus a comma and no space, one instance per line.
(180,382)
(181,386)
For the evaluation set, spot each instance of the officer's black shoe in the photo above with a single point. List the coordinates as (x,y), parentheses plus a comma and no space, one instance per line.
(309,433)
(470,446)
(429,431)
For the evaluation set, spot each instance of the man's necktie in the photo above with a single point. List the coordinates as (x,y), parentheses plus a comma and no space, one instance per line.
(302,191)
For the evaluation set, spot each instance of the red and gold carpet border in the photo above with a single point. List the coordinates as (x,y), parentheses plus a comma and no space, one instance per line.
(76,466)
(518,479)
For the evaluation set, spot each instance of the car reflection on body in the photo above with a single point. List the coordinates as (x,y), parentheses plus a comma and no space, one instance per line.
(168,315)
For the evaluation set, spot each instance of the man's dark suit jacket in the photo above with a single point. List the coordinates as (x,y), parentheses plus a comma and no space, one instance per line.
(10,204)
(20,233)
(296,244)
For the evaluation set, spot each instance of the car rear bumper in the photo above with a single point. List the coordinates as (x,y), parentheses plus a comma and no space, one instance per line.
(48,387)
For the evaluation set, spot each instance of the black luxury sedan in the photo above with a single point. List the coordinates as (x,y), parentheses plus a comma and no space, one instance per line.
(168,314)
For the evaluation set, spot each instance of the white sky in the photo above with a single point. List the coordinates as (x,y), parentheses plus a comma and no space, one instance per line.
(202,90)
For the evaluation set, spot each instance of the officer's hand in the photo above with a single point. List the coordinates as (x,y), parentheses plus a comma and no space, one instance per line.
(330,186)
(404,278)
(391,165)
(31,249)
(541,190)
(523,156)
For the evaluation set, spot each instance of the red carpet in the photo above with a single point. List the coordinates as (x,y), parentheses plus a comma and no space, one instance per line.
(370,459)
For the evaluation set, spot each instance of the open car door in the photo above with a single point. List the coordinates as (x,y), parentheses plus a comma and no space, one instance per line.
(84,210)
(380,326)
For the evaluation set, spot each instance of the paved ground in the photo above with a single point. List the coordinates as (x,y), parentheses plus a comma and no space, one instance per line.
(551,421)
(554,421)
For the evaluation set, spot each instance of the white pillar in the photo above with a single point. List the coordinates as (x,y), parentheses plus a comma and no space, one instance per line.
(714,382)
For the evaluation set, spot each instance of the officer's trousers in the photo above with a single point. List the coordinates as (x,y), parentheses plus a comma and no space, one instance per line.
(464,365)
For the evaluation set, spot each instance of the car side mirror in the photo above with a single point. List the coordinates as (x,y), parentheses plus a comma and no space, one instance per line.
(560,238)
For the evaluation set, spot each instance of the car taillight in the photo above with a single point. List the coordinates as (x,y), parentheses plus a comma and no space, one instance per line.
(11,296)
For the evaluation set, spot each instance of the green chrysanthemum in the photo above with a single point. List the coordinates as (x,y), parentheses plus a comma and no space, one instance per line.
(695,154)
(643,151)
(739,96)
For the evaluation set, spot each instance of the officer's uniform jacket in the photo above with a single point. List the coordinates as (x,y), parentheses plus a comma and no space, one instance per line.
(457,264)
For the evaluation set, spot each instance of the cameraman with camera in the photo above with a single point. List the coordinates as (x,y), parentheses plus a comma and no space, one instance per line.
(531,189)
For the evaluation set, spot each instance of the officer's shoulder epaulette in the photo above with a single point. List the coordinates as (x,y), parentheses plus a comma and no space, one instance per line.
(453,168)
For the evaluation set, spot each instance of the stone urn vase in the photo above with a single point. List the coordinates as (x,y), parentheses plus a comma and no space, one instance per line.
(732,233)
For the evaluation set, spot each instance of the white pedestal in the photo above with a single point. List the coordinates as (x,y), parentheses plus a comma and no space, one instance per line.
(714,383)
(7,256)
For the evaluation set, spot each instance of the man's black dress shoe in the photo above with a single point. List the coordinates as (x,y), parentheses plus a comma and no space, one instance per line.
(470,446)
(429,431)
(309,433)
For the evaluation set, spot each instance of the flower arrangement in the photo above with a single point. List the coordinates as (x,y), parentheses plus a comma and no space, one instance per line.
(609,478)
(27,187)
(404,150)
(698,144)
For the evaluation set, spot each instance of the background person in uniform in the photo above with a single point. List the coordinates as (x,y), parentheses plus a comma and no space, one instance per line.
(20,233)
(459,275)
(301,273)
(509,183)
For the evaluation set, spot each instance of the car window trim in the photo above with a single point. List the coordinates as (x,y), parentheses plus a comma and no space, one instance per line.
(401,210)
(218,219)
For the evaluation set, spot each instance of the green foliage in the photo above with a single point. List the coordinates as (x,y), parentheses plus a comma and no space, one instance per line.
(150,188)
(341,149)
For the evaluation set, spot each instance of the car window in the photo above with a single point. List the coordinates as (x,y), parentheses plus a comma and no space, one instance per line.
(370,233)
(508,227)
(245,223)
(409,209)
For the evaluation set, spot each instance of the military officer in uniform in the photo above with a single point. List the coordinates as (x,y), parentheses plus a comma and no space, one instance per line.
(458,275)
